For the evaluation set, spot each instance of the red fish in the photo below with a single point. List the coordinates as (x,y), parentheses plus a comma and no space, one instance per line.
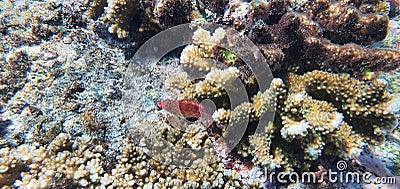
(184,108)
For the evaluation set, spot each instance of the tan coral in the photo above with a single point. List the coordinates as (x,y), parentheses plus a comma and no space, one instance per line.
(135,169)
(261,104)
(117,15)
(77,160)
(260,144)
(198,56)
(360,102)
(10,167)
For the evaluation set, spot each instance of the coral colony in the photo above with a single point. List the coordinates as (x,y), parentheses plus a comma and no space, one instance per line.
(62,67)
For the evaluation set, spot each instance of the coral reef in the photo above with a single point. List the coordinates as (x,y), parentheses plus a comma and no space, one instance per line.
(62,159)
(315,116)
(318,113)
(366,103)
(80,162)
(297,35)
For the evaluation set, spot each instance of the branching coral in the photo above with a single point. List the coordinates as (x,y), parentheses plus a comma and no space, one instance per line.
(82,164)
(299,36)
(65,159)
(118,15)
(10,167)
(315,124)
(366,106)
(198,56)
(318,114)
(135,169)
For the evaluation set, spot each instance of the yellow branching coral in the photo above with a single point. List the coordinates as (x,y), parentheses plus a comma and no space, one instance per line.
(179,81)
(135,169)
(366,106)
(261,103)
(118,15)
(80,162)
(63,158)
(211,87)
(261,147)
(310,121)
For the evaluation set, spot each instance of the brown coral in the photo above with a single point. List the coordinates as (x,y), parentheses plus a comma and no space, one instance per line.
(13,72)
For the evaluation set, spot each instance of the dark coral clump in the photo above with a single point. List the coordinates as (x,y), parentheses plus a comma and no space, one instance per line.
(127,16)
(324,36)
(349,21)
(299,36)
(170,13)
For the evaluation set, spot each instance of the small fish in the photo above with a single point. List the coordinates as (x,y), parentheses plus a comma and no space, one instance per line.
(184,108)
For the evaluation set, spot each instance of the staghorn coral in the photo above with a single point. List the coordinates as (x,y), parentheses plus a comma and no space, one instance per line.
(318,114)
(368,107)
(79,162)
